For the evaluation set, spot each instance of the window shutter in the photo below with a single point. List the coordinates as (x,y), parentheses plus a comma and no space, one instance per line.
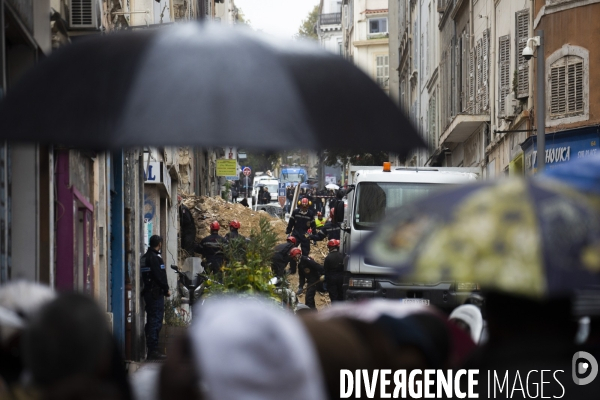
(472,81)
(485,78)
(479,76)
(504,72)
(522,31)
(566,87)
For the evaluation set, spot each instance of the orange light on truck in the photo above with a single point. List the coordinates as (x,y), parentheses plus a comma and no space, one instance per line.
(387,167)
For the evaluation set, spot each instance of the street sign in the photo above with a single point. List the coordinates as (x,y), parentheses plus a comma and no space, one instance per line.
(247,171)
(282,192)
(226,167)
(232,178)
(281,200)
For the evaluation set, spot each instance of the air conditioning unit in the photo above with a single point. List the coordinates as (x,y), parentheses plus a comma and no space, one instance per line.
(511,105)
(84,14)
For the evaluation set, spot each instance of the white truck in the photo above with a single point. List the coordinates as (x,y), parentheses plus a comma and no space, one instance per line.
(372,194)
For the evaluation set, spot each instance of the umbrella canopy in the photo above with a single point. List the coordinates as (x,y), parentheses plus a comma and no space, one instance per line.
(530,238)
(583,174)
(206,85)
(332,186)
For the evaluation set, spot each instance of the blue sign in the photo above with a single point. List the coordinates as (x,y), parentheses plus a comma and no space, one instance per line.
(232,178)
(562,147)
(282,192)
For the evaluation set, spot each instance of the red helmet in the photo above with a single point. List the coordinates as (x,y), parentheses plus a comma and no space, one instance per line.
(292,239)
(319,214)
(333,243)
(332,213)
(214,226)
(304,202)
(295,252)
(235,224)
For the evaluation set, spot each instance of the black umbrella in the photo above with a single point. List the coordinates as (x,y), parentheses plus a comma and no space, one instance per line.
(205,85)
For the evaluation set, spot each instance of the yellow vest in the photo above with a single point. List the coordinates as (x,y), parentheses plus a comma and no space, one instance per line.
(320,222)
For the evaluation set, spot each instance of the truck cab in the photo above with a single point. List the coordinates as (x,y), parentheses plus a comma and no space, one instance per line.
(376,193)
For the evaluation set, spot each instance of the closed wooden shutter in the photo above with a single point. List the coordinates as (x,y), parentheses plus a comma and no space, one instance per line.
(522,32)
(504,73)
(485,96)
(566,87)
(471,81)
(478,52)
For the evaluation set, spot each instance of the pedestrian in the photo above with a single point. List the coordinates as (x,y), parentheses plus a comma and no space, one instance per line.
(234,194)
(70,353)
(301,220)
(266,196)
(244,202)
(187,227)
(313,272)
(334,271)
(331,229)
(281,257)
(211,248)
(156,288)
(241,348)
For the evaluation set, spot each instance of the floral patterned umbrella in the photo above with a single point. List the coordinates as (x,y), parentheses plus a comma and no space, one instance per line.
(528,237)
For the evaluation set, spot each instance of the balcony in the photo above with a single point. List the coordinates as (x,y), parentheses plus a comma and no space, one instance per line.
(331,19)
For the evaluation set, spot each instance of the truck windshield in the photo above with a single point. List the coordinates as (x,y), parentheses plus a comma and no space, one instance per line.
(374,200)
(292,177)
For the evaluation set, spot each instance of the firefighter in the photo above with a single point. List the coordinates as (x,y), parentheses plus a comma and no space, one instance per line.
(233,233)
(313,271)
(211,248)
(301,220)
(187,227)
(331,230)
(281,256)
(334,271)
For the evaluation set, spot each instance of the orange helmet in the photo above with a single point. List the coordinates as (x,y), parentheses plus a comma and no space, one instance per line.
(319,214)
(333,243)
(292,239)
(214,226)
(235,224)
(295,252)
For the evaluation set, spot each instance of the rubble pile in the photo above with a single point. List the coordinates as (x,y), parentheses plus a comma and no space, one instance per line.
(208,209)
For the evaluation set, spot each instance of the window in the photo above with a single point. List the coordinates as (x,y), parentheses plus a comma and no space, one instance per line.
(522,34)
(382,71)
(377,25)
(504,72)
(566,86)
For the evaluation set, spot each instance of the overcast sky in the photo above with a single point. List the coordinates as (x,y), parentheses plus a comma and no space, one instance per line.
(278,17)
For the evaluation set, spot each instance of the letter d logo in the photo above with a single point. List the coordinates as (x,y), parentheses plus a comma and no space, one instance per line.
(590,364)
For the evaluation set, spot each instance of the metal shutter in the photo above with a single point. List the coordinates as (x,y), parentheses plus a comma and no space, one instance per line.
(566,87)
(479,76)
(504,73)
(522,34)
(472,81)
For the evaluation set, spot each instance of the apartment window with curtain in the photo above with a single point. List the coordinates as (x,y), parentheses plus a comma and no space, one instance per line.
(377,26)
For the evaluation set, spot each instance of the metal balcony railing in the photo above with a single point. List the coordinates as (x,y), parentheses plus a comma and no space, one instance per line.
(331,19)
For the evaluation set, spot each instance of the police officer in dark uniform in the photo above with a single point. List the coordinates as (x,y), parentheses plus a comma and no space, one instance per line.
(156,287)
(313,272)
(281,256)
(331,229)
(334,271)
(211,248)
(187,228)
(301,220)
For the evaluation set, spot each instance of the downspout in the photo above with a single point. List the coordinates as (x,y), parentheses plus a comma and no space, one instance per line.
(420,78)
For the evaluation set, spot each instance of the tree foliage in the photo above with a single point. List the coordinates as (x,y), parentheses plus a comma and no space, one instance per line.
(333,157)
(308,27)
(260,160)
(247,269)
(241,17)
